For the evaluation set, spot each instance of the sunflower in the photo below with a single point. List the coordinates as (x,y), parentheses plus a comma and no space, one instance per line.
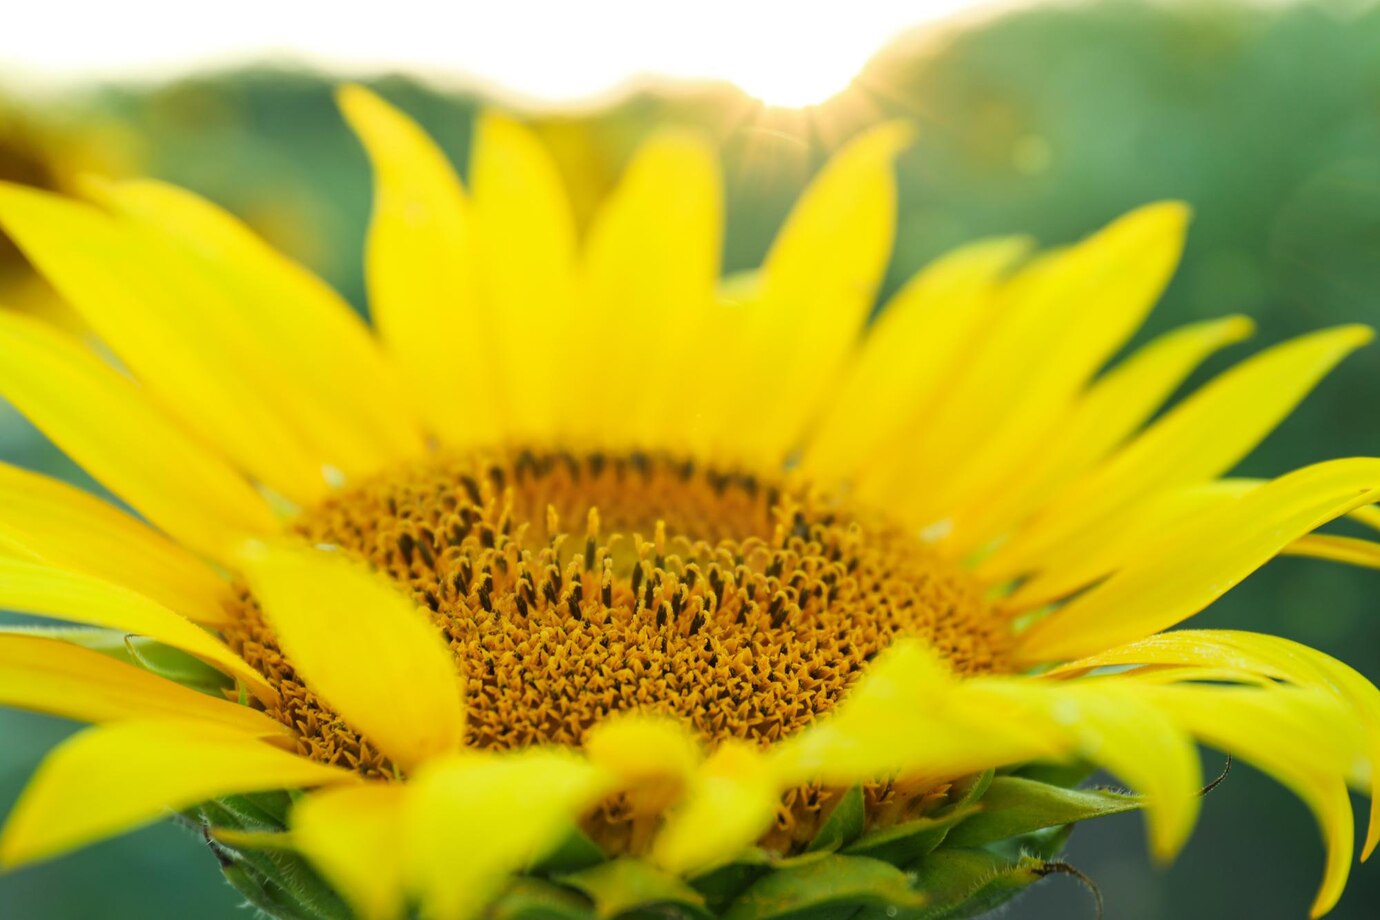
(595,583)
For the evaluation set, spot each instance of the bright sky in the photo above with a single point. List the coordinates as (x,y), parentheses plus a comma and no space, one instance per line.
(558,51)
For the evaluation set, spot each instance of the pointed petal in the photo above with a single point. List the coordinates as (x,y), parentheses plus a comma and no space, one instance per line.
(1300,737)
(818,285)
(49,521)
(1197,563)
(1116,729)
(113,778)
(47,675)
(317,358)
(730,803)
(104,423)
(651,269)
(909,353)
(908,716)
(526,234)
(1059,325)
(353,835)
(363,646)
(421,263)
(134,290)
(1086,559)
(1200,438)
(473,819)
(1109,412)
(39,590)
(652,757)
(1348,550)
(1266,656)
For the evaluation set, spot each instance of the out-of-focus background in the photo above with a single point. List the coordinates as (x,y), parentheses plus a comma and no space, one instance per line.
(1046,119)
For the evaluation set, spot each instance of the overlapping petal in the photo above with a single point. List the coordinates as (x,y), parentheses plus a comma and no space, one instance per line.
(363,646)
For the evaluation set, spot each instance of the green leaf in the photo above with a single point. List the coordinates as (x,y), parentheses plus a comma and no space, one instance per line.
(902,844)
(844,824)
(1013,806)
(724,883)
(534,899)
(834,886)
(626,884)
(576,852)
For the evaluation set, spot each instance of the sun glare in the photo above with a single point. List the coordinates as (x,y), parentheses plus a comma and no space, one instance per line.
(785,54)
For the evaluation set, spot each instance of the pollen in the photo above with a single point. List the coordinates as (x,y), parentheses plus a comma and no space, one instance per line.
(574,586)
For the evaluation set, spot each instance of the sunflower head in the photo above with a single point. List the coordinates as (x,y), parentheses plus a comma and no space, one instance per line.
(588,583)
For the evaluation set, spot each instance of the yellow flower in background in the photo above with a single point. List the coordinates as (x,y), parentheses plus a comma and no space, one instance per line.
(597,582)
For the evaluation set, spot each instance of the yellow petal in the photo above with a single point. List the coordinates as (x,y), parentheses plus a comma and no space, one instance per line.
(421,269)
(653,757)
(1087,558)
(1110,411)
(1116,729)
(1300,737)
(311,354)
(1349,550)
(912,349)
(1271,657)
(525,232)
(113,778)
(353,835)
(473,819)
(1198,439)
(50,521)
(40,590)
(730,803)
(1203,559)
(103,422)
(651,269)
(134,289)
(909,716)
(47,675)
(364,646)
(818,285)
(1058,324)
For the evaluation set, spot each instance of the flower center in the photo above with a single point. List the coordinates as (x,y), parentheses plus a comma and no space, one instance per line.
(570,587)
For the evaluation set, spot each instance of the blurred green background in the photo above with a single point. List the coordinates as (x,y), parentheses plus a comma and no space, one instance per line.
(1049,121)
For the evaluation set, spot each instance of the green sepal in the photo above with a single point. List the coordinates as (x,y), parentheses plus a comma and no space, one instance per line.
(844,824)
(1013,806)
(967,883)
(534,899)
(264,895)
(966,791)
(625,885)
(824,889)
(722,884)
(278,876)
(902,844)
(1046,843)
(576,851)
(259,811)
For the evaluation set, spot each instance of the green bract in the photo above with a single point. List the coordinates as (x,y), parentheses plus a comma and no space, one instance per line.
(997,836)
